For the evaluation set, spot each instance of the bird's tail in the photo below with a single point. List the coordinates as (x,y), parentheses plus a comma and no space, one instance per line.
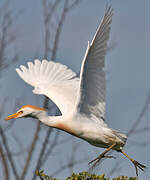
(121,136)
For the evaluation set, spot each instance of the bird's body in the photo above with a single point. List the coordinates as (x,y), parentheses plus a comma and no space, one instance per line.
(92,129)
(80,100)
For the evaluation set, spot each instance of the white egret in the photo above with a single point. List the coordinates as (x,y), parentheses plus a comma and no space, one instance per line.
(80,100)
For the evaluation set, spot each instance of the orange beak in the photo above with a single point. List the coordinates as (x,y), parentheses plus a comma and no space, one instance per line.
(13,116)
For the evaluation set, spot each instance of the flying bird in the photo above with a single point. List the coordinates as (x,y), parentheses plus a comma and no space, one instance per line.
(80,100)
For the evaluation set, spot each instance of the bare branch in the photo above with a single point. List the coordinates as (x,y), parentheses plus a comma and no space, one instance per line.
(142,130)
(58,31)
(49,11)
(136,123)
(140,144)
(65,166)
(134,131)
(32,147)
(4,140)
(22,150)
(51,148)
(115,168)
(4,163)
(47,21)
(73,155)
(71,6)
(7,34)
(42,151)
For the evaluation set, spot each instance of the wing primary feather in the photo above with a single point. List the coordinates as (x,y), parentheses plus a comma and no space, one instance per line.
(91,94)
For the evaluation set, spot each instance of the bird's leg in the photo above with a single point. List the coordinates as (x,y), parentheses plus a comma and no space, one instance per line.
(136,164)
(102,155)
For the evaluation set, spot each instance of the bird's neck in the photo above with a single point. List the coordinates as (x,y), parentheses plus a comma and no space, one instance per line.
(59,122)
(49,120)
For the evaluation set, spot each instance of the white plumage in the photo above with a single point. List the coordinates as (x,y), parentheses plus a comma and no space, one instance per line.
(54,80)
(80,100)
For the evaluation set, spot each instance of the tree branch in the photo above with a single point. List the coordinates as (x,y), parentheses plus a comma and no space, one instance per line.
(42,151)
(4,140)
(51,148)
(136,123)
(65,166)
(133,131)
(30,154)
(4,163)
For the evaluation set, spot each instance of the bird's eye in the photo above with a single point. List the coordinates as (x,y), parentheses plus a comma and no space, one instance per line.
(20,112)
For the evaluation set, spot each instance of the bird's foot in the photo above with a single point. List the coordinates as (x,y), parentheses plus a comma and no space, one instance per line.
(138,165)
(135,163)
(102,155)
(96,160)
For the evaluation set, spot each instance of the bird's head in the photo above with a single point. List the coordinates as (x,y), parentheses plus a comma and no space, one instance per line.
(27,111)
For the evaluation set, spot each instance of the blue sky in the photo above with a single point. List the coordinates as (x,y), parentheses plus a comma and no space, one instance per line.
(127,66)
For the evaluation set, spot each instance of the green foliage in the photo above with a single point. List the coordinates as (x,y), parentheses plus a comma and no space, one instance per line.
(43,176)
(83,176)
(87,176)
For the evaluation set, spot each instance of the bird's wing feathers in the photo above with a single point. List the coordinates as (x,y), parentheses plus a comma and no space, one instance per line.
(91,96)
(54,80)
(60,84)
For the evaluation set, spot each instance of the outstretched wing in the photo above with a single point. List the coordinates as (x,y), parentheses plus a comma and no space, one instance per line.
(54,80)
(91,97)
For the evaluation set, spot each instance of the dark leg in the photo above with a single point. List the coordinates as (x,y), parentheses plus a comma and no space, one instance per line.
(102,155)
(136,164)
